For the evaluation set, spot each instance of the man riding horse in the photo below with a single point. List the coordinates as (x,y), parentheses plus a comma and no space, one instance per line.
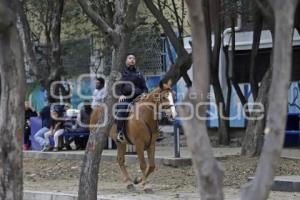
(134,85)
(142,127)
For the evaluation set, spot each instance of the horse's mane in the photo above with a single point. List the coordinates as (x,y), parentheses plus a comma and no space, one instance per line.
(143,98)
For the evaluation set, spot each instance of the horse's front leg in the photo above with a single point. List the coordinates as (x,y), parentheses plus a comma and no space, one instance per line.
(149,169)
(151,166)
(140,153)
(121,161)
(151,159)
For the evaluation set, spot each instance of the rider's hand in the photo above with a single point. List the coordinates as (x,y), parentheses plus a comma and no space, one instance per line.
(122,98)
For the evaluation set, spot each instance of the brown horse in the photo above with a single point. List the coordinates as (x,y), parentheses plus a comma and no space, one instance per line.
(142,131)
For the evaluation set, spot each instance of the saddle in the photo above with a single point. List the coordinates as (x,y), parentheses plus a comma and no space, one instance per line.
(130,110)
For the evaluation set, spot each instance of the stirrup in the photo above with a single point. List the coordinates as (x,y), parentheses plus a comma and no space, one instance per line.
(120,138)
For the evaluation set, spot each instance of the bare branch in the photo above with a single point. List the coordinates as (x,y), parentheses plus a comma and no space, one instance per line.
(110,12)
(166,26)
(130,15)
(141,21)
(177,19)
(95,18)
(264,8)
(120,12)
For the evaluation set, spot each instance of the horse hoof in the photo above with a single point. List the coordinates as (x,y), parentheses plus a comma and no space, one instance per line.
(148,190)
(137,180)
(130,187)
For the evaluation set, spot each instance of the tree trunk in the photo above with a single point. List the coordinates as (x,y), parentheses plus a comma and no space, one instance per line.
(208,173)
(297,19)
(11,105)
(259,188)
(254,137)
(228,83)
(25,36)
(90,169)
(120,36)
(223,134)
(53,50)
(258,23)
(55,56)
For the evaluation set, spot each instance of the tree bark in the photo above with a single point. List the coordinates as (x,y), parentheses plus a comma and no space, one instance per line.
(25,36)
(254,137)
(123,27)
(228,80)
(259,188)
(258,23)
(223,133)
(297,19)
(208,173)
(55,56)
(11,104)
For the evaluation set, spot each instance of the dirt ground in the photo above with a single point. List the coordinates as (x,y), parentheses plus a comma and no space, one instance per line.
(63,175)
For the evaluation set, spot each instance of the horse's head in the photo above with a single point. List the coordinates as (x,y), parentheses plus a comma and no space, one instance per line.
(166,99)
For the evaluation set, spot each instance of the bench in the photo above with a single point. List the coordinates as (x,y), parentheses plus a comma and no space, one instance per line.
(36,125)
(292,132)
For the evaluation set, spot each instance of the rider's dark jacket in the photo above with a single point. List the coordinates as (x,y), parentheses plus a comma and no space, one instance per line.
(139,84)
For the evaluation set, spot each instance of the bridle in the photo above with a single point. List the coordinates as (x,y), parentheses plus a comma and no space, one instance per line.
(158,101)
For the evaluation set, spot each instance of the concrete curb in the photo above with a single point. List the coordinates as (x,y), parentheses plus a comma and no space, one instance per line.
(32,195)
(160,160)
(290,157)
(286,183)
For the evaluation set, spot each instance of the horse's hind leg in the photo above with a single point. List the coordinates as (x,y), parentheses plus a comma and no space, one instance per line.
(140,152)
(151,165)
(121,161)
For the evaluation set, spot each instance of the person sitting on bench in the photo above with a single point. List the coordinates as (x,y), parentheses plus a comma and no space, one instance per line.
(56,129)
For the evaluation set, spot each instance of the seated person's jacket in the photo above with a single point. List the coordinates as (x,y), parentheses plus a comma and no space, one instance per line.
(29,113)
(46,117)
(84,118)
